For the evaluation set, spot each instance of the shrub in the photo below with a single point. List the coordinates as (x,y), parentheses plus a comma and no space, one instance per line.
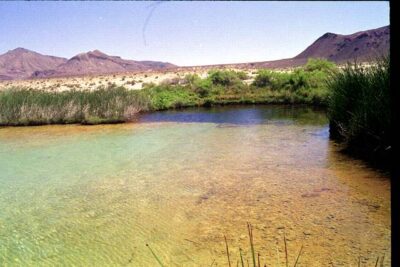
(224,77)
(191,78)
(166,96)
(318,64)
(263,79)
(298,79)
(202,87)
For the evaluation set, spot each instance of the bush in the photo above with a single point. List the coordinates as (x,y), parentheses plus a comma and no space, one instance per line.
(225,77)
(202,87)
(298,79)
(263,79)
(164,97)
(191,78)
(318,64)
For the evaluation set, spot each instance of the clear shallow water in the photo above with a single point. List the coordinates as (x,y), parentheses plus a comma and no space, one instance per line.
(179,181)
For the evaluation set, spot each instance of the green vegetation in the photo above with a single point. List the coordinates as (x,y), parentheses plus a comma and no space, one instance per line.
(170,96)
(305,85)
(359,110)
(105,105)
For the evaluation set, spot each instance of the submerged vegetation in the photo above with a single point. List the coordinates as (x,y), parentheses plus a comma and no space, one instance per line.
(256,260)
(359,110)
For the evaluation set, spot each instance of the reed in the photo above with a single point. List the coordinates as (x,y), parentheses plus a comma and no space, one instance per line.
(155,256)
(21,106)
(359,110)
(227,252)
(258,262)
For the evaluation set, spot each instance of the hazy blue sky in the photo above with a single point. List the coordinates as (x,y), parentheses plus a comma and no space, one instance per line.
(184,33)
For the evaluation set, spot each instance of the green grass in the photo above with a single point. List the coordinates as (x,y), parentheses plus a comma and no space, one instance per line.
(359,110)
(106,105)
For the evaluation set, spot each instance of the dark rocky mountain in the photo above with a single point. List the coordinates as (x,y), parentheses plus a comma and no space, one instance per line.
(363,46)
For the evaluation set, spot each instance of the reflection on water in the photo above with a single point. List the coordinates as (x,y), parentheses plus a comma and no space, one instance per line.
(251,115)
(179,181)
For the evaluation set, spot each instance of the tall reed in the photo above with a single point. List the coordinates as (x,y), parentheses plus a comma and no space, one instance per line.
(21,106)
(359,109)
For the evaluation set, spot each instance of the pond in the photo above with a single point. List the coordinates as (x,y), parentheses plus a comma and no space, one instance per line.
(181,180)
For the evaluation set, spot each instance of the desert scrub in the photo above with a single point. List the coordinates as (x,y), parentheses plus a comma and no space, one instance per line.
(21,106)
(359,110)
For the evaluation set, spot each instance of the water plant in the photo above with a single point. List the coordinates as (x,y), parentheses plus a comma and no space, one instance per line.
(359,110)
(21,106)
(256,262)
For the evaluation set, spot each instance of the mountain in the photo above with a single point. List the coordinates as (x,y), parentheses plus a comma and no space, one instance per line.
(97,62)
(362,46)
(339,48)
(22,63)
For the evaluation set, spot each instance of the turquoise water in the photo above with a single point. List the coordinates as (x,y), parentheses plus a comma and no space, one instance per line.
(179,181)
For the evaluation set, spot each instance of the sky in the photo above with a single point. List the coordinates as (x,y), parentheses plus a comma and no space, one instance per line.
(183,33)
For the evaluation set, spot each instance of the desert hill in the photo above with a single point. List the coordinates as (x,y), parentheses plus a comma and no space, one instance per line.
(22,63)
(97,62)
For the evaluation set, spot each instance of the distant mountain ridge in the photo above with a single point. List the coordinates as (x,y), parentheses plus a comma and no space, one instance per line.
(97,62)
(21,63)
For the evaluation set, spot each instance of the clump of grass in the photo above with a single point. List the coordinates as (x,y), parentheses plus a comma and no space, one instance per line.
(21,106)
(359,110)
